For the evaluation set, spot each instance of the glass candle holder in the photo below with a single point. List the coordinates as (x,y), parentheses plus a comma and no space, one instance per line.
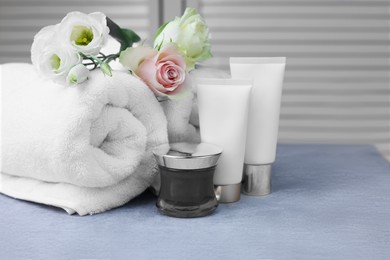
(187,173)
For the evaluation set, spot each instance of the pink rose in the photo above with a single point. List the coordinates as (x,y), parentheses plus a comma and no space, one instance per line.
(163,71)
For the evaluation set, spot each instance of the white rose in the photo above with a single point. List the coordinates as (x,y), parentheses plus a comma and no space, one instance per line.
(50,58)
(77,74)
(86,33)
(190,33)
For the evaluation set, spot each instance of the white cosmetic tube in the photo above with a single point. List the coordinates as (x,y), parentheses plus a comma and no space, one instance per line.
(263,121)
(223,116)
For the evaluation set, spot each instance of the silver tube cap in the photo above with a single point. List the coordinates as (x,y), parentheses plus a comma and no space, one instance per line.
(228,193)
(257,179)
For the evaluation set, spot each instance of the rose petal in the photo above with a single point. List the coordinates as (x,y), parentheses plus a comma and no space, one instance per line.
(175,58)
(182,90)
(131,58)
(170,75)
(172,52)
(147,72)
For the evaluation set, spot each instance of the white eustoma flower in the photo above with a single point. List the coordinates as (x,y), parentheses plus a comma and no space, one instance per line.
(50,58)
(77,74)
(190,33)
(43,38)
(86,33)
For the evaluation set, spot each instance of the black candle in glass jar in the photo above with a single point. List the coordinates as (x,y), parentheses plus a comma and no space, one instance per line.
(187,173)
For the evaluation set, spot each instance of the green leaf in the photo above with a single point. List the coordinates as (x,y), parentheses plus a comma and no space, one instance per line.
(160,45)
(125,37)
(106,69)
(130,35)
(115,30)
(95,59)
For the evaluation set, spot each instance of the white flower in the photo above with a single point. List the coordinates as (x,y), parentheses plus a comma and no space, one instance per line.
(86,33)
(77,74)
(190,33)
(43,38)
(55,63)
(50,58)
(132,57)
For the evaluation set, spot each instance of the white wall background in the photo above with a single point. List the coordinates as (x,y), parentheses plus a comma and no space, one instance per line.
(338,52)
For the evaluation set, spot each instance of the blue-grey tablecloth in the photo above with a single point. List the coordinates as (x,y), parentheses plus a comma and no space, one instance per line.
(328,202)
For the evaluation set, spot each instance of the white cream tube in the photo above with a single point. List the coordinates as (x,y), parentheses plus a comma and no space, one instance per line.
(223,116)
(263,124)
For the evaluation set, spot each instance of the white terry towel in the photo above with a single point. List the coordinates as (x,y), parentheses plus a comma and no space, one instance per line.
(86,148)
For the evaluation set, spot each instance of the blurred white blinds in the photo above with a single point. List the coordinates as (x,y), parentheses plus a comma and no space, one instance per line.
(337,79)
(20,20)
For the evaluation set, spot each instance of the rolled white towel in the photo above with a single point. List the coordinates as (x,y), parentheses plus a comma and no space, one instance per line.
(87,148)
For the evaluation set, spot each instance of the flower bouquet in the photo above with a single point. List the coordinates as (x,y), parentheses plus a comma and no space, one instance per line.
(68,51)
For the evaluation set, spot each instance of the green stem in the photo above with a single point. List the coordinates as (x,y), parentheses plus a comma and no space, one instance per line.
(96,59)
(92,62)
(111,57)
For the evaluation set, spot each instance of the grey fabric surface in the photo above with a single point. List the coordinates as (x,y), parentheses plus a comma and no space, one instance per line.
(328,202)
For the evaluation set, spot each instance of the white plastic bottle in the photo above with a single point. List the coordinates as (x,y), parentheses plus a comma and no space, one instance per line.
(263,124)
(223,115)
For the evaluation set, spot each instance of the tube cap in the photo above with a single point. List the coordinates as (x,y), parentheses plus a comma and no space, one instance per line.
(257,179)
(228,193)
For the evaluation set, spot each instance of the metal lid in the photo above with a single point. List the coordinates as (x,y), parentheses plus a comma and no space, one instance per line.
(257,179)
(186,156)
(228,193)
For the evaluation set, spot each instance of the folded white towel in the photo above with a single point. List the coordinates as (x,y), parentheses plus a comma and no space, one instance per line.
(86,148)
